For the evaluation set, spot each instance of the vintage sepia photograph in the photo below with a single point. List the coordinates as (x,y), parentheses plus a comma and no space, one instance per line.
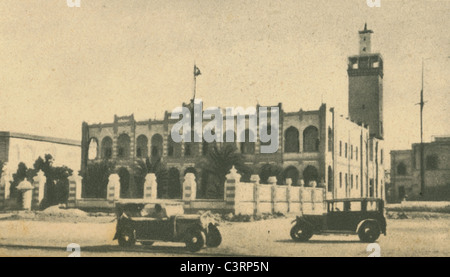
(209,128)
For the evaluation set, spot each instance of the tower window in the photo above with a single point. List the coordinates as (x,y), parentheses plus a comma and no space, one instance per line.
(355,66)
(364,49)
(375,64)
(363,106)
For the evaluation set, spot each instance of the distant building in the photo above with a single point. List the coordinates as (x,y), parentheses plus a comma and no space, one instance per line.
(343,154)
(405,171)
(26,148)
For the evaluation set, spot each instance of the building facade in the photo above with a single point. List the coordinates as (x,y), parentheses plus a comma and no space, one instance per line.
(406,176)
(321,147)
(26,148)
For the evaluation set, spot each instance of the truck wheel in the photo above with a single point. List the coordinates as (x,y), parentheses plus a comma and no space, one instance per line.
(195,240)
(214,238)
(369,231)
(126,238)
(301,233)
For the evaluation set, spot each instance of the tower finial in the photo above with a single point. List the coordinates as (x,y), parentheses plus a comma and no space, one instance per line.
(365,26)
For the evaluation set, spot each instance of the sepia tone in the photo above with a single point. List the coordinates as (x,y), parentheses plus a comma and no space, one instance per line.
(90,167)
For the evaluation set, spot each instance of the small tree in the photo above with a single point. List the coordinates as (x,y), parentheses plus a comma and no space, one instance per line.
(269,170)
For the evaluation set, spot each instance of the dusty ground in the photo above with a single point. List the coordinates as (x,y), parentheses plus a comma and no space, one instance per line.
(419,235)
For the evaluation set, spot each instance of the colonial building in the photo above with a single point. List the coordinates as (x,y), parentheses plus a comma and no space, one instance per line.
(406,176)
(26,148)
(343,154)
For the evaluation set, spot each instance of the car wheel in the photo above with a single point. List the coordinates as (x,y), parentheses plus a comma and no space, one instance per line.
(369,231)
(301,233)
(214,238)
(195,240)
(147,243)
(126,238)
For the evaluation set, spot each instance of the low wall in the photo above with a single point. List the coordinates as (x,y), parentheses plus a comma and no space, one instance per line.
(254,198)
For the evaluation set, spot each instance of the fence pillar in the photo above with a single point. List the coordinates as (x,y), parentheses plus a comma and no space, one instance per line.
(113,192)
(273,182)
(233,178)
(150,187)
(26,188)
(38,189)
(5,183)
(288,193)
(255,180)
(75,183)
(189,187)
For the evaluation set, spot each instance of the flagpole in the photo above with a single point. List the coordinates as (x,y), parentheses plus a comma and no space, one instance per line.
(195,83)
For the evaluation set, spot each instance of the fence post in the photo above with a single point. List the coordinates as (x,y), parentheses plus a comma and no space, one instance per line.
(113,188)
(273,182)
(26,188)
(288,193)
(38,188)
(233,179)
(255,180)
(5,184)
(150,187)
(75,182)
(189,187)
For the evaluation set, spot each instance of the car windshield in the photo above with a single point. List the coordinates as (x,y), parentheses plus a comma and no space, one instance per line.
(154,211)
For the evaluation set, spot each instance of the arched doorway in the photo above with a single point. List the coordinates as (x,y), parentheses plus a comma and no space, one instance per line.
(124,176)
(292,173)
(310,174)
(174,189)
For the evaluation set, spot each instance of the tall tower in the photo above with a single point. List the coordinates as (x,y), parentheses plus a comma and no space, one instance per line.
(365,86)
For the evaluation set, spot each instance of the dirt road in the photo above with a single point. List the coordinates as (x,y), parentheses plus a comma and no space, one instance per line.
(406,237)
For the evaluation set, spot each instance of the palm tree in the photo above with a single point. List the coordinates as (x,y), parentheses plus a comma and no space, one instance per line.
(157,167)
(217,165)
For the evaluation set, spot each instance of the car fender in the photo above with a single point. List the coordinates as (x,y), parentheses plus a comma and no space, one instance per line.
(367,220)
(302,222)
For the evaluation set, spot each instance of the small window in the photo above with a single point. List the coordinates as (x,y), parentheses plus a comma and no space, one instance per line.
(356,153)
(340,148)
(346,150)
(355,66)
(355,206)
(340,179)
(338,206)
(375,64)
(401,169)
(351,152)
(357,180)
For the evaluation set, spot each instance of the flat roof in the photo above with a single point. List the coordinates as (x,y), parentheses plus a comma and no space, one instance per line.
(40,138)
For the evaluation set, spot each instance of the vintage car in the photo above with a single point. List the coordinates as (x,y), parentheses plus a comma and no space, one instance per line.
(362,216)
(150,222)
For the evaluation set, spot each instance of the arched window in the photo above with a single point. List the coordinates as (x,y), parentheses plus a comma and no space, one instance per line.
(330,139)
(123,146)
(157,146)
(311,139)
(310,174)
(142,146)
(93,149)
(106,148)
(173,148)
(401,169)
(330,179)
(292,143)
(248,145)
(431,162)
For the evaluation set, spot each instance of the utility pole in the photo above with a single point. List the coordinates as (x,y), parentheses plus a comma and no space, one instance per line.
(422,169)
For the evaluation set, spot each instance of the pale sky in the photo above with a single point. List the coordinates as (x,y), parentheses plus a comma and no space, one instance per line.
(61,66)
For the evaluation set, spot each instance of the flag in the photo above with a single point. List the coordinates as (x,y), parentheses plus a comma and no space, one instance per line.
(196,71)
